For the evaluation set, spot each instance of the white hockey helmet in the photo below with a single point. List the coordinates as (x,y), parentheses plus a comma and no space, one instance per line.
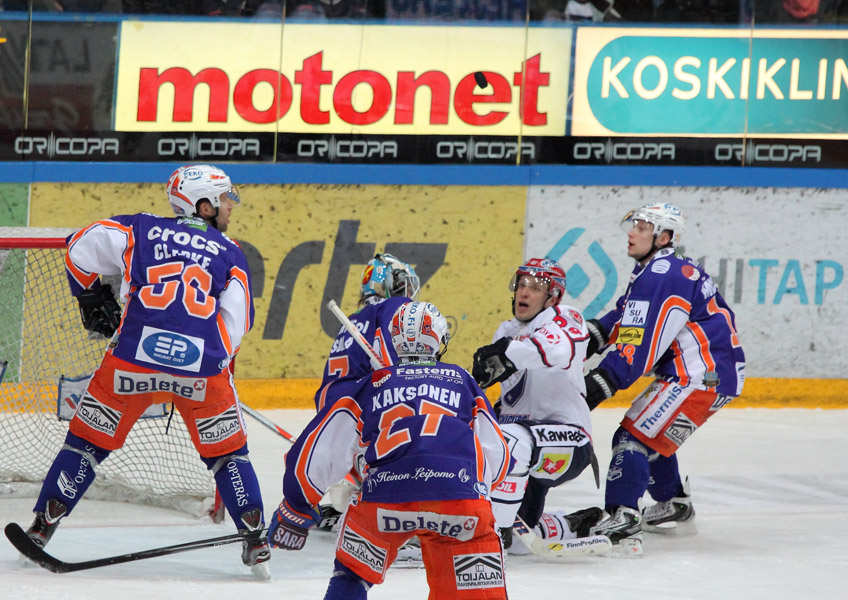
(387,277)
(661,216)
(545,272)
(419,332)
(190,184)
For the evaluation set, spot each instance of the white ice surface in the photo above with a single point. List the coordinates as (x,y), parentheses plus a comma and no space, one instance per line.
(770,488)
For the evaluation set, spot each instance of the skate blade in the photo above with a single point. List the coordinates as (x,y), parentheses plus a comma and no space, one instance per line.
(675,528)
(626,548)
(409,563)
(261,571)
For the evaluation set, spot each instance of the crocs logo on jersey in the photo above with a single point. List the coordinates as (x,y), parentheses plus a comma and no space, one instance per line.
(456,526)
(169,349)
(577,280)
(126,383)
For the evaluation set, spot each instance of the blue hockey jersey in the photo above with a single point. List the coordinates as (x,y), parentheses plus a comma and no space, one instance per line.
(416,432)
(347,361)
(186,287)
(673,323)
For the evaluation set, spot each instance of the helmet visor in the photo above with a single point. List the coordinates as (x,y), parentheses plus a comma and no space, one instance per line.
(232,195)
(535,279)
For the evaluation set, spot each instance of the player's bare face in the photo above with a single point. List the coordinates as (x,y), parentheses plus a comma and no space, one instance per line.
(224,211)
(531,296)
(640,239)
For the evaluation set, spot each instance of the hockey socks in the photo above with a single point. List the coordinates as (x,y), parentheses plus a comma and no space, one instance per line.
(346,585)
(71,473)
(237,484)
(627,478)
(665,482)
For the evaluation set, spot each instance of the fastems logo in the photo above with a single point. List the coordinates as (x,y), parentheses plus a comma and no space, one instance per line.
(461,100)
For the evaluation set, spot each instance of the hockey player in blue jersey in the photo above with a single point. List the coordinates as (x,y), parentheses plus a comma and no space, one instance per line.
(430,451)
(188,304)
(386,284)
(671,323)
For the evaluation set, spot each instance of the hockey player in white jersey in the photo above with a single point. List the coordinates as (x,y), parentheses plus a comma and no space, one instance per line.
(538,358)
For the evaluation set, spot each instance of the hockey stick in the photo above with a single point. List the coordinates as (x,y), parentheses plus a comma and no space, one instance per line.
(562,549)
(268,423)
(377,361)
(36,553)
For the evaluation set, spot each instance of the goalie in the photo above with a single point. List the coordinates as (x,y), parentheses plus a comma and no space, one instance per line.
(188,299)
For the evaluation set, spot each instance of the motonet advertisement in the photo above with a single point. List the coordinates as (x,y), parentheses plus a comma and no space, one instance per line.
(711,82)
(308,78)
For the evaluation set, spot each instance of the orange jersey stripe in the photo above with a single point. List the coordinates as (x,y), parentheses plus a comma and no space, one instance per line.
(703,345)
(672,303)
(313,494)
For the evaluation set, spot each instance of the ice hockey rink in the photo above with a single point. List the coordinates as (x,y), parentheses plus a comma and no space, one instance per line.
(770,487)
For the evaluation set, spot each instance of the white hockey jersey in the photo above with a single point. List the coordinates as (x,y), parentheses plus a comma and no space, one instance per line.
(549,352)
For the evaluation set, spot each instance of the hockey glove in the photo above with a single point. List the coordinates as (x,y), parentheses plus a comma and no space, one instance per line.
(100,312)
(288,530)
(599,387)
(598,337)
(491,365)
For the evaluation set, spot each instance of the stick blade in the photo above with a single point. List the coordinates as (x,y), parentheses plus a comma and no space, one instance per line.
(33,551)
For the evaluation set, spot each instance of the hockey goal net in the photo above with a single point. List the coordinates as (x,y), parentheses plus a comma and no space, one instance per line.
(46,358)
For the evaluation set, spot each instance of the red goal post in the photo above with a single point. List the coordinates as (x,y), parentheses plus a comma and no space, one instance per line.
(48,356)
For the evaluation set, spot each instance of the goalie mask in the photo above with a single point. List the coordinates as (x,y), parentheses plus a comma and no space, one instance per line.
(190,184)
(662,216)
(419,333)
(387,277)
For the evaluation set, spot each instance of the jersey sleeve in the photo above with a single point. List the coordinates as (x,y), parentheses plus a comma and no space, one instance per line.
(488,432)
(235,304)
(103,248)
(552,344)
(323,454)
(657,308)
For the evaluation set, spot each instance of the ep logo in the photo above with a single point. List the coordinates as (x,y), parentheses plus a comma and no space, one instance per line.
(577,280)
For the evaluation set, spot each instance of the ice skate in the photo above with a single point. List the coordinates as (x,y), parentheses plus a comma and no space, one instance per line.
(255,551)
(409,555)
(44,525)
(674,517)
(624,530)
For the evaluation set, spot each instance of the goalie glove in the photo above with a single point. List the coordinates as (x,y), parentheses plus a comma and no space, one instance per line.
(599,387)
(491,365)
(288,530)
(99,310)
(598,337)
